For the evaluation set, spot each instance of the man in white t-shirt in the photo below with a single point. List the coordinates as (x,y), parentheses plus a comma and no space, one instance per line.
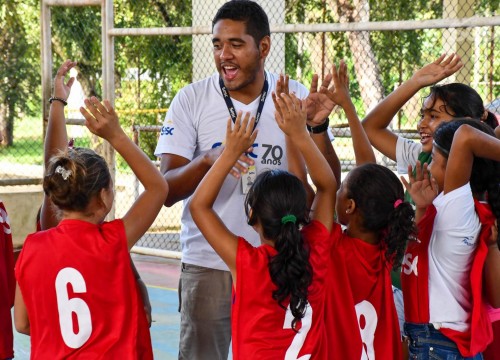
(190,142)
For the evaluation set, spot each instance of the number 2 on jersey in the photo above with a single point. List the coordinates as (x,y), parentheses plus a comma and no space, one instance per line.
(298,340)
(66,307)
(366,311)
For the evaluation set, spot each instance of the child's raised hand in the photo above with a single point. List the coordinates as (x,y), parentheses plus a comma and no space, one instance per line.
(282,85)
(319,106)
(422,188)
(339,91)
(281,88)
(101,119)
(241,135)
(437,70)
(61,89)
(291,114)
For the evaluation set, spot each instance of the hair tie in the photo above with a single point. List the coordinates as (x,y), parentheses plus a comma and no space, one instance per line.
(288,218)
(397,203)
(64,173)
(440,148)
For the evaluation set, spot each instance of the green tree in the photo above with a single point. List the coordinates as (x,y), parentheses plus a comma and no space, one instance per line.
(20,65)
(149,70)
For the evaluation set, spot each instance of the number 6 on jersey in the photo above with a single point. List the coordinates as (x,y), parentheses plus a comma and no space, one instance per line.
(66,307)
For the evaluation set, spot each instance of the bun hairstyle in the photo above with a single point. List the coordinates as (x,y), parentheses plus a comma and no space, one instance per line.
(277,201)
(379,195)
(462,101)
(73,177)
(485,174)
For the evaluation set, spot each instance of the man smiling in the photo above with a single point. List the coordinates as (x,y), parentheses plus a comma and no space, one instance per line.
(196,124)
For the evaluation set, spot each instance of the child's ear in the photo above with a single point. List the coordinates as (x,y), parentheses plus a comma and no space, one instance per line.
(101,197)
(351,207)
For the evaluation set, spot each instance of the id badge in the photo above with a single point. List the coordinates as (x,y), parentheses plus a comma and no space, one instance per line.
(247,179)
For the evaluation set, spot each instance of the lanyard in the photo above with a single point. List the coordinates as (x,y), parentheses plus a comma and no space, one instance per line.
(230,106)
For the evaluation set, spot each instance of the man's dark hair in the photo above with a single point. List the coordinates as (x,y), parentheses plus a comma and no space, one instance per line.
(249,12)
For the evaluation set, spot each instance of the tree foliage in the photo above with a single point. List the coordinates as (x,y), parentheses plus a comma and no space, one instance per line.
(149,70)
(20,65)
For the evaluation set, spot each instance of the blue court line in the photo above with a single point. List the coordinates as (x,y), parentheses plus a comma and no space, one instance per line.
(165,328)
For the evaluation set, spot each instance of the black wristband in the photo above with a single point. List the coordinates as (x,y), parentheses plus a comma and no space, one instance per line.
(54,98)
(320,128)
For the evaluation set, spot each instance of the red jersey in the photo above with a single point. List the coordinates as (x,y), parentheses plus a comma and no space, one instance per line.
(360,319)
(81,295)
(261,329)
(7,286)
(415,283)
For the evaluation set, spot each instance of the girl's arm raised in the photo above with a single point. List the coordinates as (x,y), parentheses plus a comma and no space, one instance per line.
(317,99)
(377,121)
(339,93)
(295,160)
(468,142)
(56,138)
(291,118)
(239,138)
(103,121)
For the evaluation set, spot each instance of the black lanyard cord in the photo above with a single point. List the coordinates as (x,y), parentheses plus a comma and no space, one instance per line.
(230,106)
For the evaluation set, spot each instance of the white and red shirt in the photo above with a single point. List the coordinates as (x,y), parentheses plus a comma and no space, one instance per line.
(81,295)
(442,271)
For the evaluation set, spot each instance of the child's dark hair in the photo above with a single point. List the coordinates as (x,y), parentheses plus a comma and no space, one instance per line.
(485,174)
(274,195)
(249,12)
(461,100)
(379,196)
(73,177)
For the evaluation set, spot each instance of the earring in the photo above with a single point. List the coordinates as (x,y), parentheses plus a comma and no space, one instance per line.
(347,211)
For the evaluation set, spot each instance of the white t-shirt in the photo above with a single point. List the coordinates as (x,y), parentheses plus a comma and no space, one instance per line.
(195,123)
(407,152)
(451,252)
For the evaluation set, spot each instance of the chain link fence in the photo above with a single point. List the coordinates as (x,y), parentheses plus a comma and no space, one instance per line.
(383,42)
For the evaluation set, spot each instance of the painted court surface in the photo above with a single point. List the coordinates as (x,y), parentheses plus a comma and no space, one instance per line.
(161,277)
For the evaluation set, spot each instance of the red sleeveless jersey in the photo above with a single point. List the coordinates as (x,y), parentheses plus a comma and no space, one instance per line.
(261,329)
(81,295)
(7,286)
(361,318)
(415,283)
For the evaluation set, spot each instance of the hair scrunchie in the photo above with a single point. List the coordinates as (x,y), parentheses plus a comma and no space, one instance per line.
(397,203)
(288,218)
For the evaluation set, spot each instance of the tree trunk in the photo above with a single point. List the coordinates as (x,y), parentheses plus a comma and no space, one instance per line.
(365,64)
(7,123)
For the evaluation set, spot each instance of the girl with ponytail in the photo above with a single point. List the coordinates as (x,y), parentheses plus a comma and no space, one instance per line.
(368,240)
(278,292)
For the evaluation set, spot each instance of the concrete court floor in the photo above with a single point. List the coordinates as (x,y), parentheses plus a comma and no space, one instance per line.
(161,277)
